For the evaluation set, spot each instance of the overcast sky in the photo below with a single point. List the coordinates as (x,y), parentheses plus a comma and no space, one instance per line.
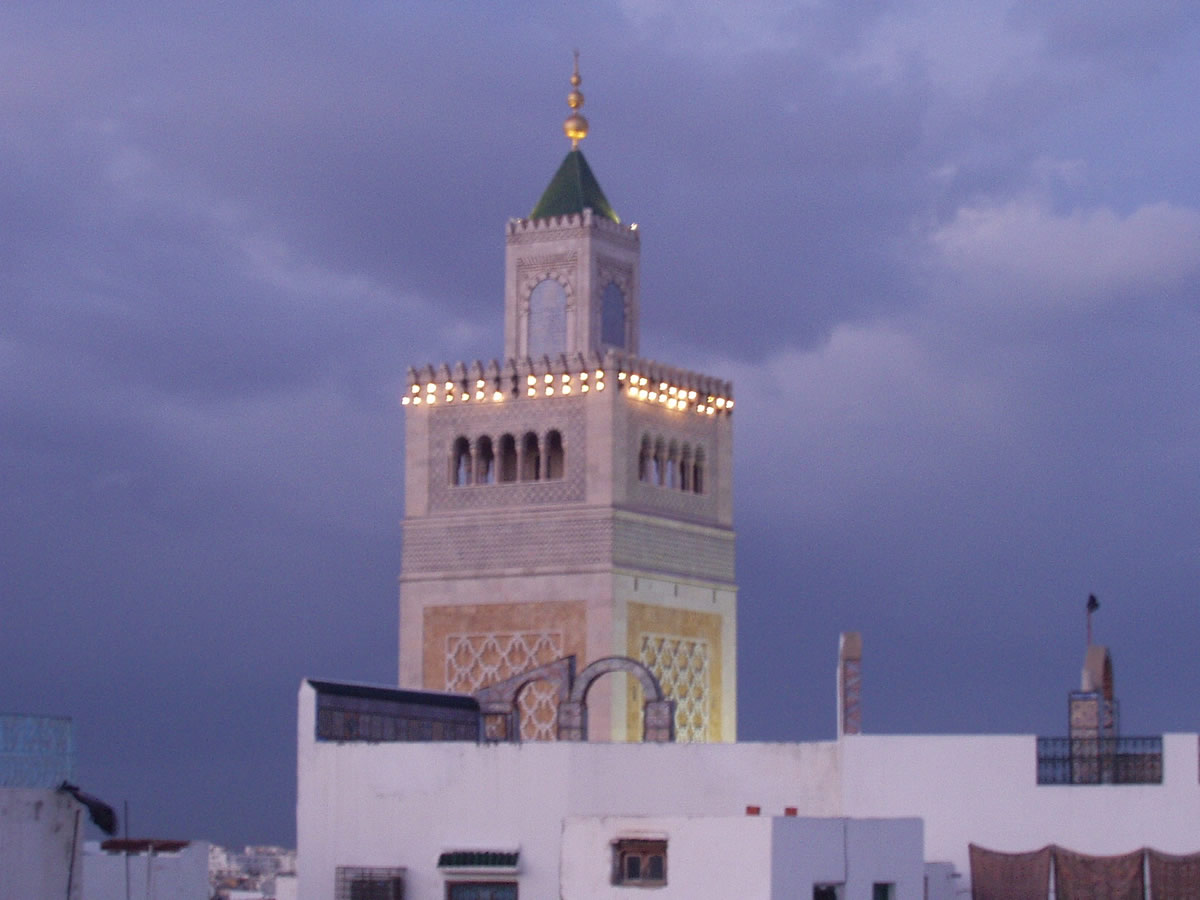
(948,253)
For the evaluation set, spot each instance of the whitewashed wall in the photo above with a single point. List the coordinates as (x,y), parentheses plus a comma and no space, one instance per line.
(750,857)
(40,844)
(402,804)
(983,789)
(706,857)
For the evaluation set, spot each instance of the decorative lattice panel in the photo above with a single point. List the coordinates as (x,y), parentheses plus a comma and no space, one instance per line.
(476,660)
(681,666)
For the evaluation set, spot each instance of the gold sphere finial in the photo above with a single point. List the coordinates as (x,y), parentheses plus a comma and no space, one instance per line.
(576,126)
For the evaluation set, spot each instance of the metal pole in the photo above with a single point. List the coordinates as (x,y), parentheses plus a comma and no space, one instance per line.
(126,850)
(71,862)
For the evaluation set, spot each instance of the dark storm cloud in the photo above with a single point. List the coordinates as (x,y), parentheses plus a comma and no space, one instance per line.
(947,255)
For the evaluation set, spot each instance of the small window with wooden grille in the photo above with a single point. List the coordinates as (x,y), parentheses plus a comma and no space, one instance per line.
(362,883)
(640,863)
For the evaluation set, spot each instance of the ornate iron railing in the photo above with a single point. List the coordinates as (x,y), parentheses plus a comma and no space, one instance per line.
(1105,760)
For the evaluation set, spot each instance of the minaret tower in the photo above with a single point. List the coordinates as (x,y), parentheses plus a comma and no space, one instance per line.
(572,498)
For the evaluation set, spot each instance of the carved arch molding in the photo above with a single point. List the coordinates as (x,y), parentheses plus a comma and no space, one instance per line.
(498,702)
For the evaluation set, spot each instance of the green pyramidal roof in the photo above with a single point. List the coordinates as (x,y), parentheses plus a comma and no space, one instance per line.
(572,190)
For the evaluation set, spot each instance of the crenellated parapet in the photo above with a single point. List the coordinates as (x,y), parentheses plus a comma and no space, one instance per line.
(552,226)
(515,380)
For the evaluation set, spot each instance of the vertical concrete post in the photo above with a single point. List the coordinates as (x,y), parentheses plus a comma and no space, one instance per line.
(572,721)
(660,721)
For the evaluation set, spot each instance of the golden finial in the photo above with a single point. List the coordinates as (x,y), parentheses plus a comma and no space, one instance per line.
(576,126)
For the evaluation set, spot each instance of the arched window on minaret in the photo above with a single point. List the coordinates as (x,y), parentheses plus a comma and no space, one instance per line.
(547,319)
(612,316)
(555,458)
(698,472)
(508,458)
(644,462)
(460,462)
(685,468)
(531,458)
(673,465)
(660,462)
(485,461)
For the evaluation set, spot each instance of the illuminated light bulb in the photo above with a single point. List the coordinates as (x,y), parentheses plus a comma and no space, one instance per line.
(599,373)
(479,395)
(662,386)
(531,380)
(430,388)
(620,376)
(404,402)
(498,396)
(691,395)
(584,388)
(583,376)
(654,395)
(671,403)
(416,389)
(729,405)
(416,401)
(643,380)
(533,392)
(711,410)
(449,398)
(662,398)
(633,392)
(599,385)
(479,383)
(549,378)
(465,396)
(672,390)
(566,379)
(642,394)
(449,385)
(567,388)
(720,403)
(430,399)
(549,391)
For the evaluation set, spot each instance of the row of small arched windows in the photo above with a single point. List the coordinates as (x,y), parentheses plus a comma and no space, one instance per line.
(528,458)
(671,465)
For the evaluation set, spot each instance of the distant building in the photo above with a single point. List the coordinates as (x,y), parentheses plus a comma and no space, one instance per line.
(255,871)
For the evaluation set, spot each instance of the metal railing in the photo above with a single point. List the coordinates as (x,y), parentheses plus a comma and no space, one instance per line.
(1100,760)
